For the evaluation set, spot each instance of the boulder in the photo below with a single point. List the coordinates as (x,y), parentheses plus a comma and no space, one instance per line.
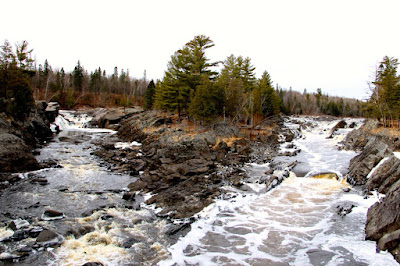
(15,155)
(48,238)
(51,111)
(361,165)
(50,215)
(340,124)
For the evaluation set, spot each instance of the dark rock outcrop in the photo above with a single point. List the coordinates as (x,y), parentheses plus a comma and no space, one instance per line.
(361,165)
(383,223)
(378,169)
(18,138)
(183,168)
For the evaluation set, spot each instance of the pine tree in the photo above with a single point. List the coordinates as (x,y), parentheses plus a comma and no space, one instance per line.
(77,75)
(149,96)
(185,71)
(270,100)
(204,105)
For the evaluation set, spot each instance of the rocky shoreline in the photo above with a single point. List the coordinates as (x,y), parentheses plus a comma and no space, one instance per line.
(377,168)
(18,139)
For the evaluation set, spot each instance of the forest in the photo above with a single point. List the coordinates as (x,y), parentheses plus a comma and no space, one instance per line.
(193,86)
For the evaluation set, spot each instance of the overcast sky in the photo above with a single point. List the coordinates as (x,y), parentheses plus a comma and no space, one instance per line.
(332,45)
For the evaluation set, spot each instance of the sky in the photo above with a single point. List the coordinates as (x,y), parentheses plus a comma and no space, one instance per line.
(303,44)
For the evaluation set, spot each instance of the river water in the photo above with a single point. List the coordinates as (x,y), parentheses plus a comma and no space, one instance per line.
(296,223)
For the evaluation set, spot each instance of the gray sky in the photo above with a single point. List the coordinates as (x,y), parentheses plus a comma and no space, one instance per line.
(332,45)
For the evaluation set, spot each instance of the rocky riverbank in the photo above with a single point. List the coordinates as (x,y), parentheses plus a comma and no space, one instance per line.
(182,165)
(377,168)
(18,139)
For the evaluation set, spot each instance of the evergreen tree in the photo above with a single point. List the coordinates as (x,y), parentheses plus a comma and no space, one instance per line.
(77,76)
(204,105)
(149,96)
(270,100)
(185,71)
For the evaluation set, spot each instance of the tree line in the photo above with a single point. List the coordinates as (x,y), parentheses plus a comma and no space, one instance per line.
(191,86)
(384,102)
(79,87)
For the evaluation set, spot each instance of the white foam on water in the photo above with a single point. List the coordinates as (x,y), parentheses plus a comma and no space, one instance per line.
(127,145)
(5,233)
(73,121)
(106,243)
(279,227)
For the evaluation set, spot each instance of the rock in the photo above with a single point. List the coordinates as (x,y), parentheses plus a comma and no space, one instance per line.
(174,231)
(344,209)
(389,241)
(361,165)
(340,124)
(50,215)
(346,189)
(386,177)
(48,238)
(18,224)
(15,155)
(93,264)
(383,223)
(353,125)
(52,111)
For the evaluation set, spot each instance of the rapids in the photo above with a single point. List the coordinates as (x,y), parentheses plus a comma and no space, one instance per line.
(303,221)
(300,222)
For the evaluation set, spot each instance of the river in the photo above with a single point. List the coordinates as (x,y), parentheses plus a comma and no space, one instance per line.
(302,221)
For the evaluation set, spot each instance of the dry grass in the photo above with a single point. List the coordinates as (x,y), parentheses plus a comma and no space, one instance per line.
(229,141)
(390,132)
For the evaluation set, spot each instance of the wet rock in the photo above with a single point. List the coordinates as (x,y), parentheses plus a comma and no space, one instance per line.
(176,230)
(340,124)
(50,163)
(93,264)
(344,209)
(10,256)
(15,155)
(48,238)
(353,125)
(50,215)
(346,189)
(20,235)
(272,182)
(383,223)
(18,224)
(51,111)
